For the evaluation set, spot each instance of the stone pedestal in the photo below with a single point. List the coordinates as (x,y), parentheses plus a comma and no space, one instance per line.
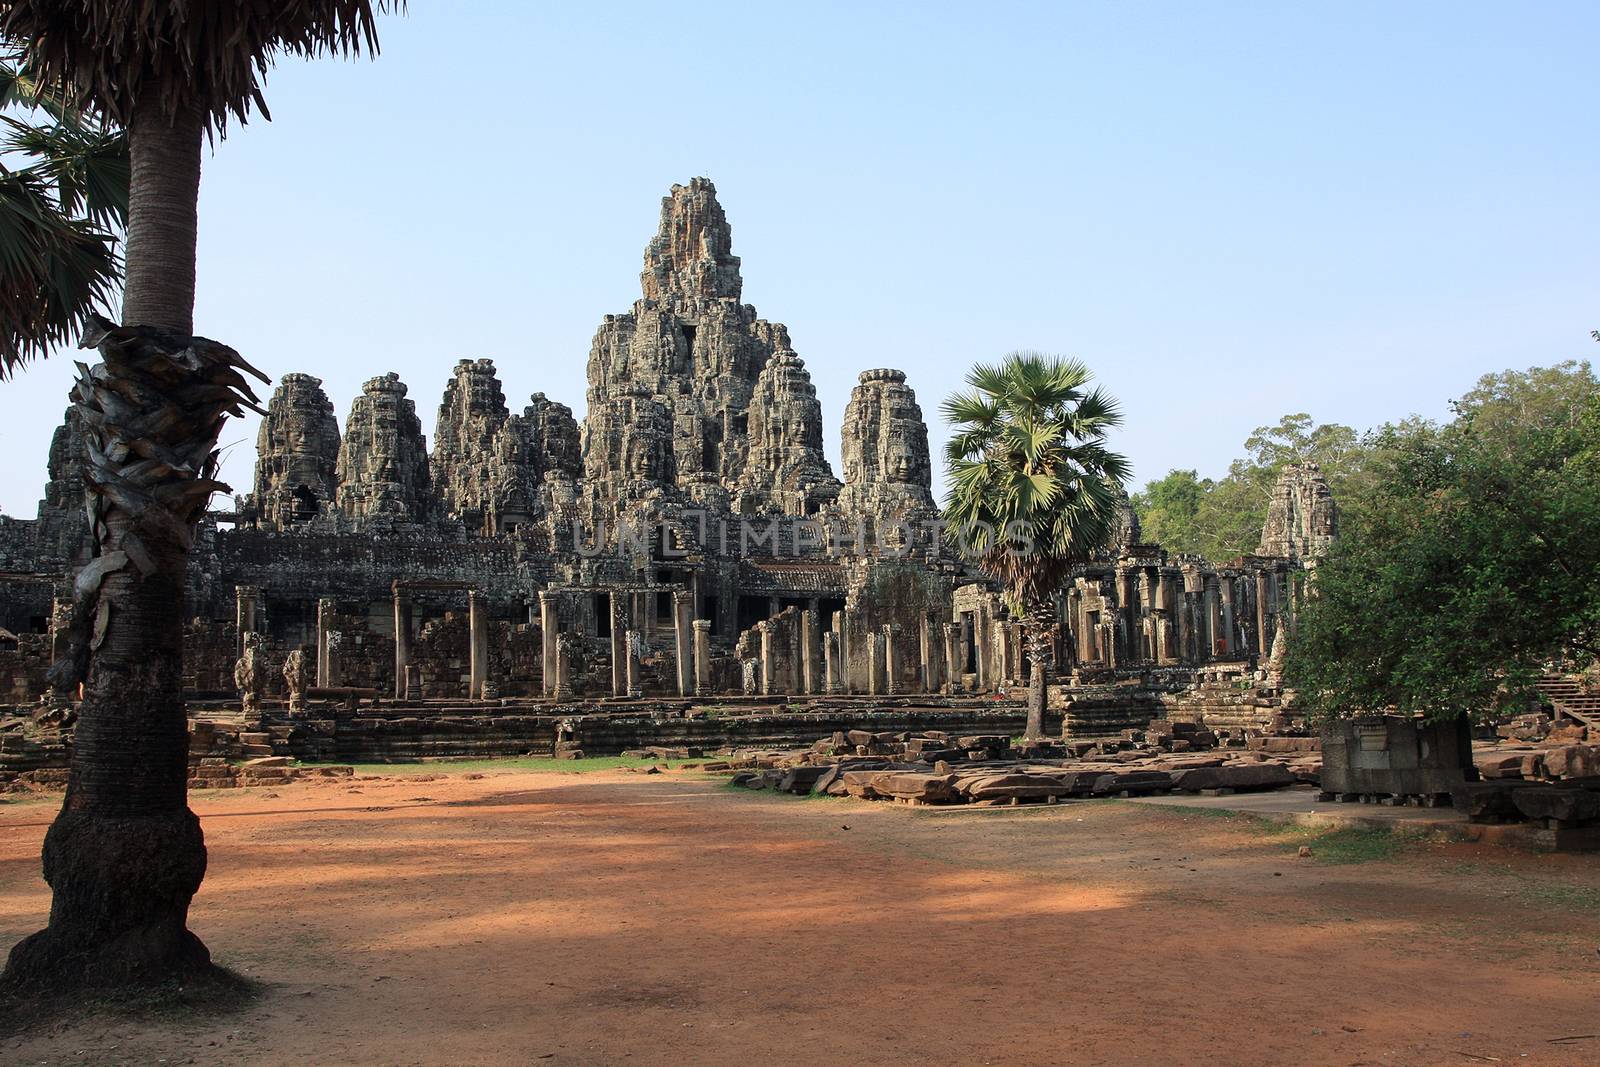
(683,619)
(702,657)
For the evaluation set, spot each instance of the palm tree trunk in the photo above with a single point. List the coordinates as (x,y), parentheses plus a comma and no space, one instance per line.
(1039,628)
(163,212)
(126,855)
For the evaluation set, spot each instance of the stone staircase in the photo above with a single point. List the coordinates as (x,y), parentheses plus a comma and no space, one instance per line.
(1568,698)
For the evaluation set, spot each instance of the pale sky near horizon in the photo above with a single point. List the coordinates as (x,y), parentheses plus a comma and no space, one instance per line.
(1231,212)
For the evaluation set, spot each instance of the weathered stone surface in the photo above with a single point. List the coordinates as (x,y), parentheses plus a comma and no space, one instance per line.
(1562,805)
(670,383)
(1302,520)
(888,472)
(297,454)
(1573,761)
(554,443)
(786,473)
(63,531)
(1239,776)
(383,461)
(1487,801)
(483,463)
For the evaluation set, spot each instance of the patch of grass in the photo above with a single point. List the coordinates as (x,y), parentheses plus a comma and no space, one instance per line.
(519,763)
(1351,844)
(1328,844)
(1532,890)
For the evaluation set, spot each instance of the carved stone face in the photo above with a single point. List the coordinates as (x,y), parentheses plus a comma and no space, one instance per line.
(899,464)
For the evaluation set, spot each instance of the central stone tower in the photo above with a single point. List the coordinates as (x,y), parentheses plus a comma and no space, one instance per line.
(671,382)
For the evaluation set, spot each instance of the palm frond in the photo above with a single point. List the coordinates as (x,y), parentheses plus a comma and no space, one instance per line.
(55,271)
(212,56)
(1029,455)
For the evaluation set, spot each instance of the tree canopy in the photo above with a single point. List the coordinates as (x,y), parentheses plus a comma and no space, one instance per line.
(1221,519)
(1473,562)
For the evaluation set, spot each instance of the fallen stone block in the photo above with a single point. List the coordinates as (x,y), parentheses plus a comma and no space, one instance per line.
(1012,786)
(1236,776)
(1572,761)
(1133,782)
(1575,806)
(926,788)
(262,762)
(800,780)
(1489,801)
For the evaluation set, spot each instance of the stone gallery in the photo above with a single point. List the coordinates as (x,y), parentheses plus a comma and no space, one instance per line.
(686,543)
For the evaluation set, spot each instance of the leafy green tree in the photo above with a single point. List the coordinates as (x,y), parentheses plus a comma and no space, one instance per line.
(1222,519)
(1475,562)
(125,855)
(1033,489)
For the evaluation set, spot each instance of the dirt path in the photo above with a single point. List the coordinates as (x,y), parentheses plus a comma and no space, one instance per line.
(522,918)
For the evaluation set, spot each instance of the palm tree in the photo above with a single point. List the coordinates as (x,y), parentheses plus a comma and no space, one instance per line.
(1033,490)
(125,855)
(58,219)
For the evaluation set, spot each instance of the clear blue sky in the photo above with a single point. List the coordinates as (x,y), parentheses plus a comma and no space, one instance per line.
(1230,211)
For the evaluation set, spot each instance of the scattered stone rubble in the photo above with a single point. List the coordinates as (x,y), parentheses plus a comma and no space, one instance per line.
(934,767)
(1543,771)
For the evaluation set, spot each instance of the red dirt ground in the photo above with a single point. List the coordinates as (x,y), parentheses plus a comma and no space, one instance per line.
(536,918)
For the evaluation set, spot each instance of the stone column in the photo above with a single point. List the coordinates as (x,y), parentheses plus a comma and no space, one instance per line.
(643,610)
(1262,611)
(247,610)
(619,648)
(702,657)
(682,627)
(549,646)
(842,621)
(402,640)
(1226,588)
(830,661)
(952,658)
(810,648)
(927,652)
(1213,610)
(769,666)
(325,652)
(635,667)
(561,689)
(478,651)
(982,652)
(891,658)
(874,660)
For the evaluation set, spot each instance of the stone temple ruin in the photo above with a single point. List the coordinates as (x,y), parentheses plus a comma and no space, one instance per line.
(683,564)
